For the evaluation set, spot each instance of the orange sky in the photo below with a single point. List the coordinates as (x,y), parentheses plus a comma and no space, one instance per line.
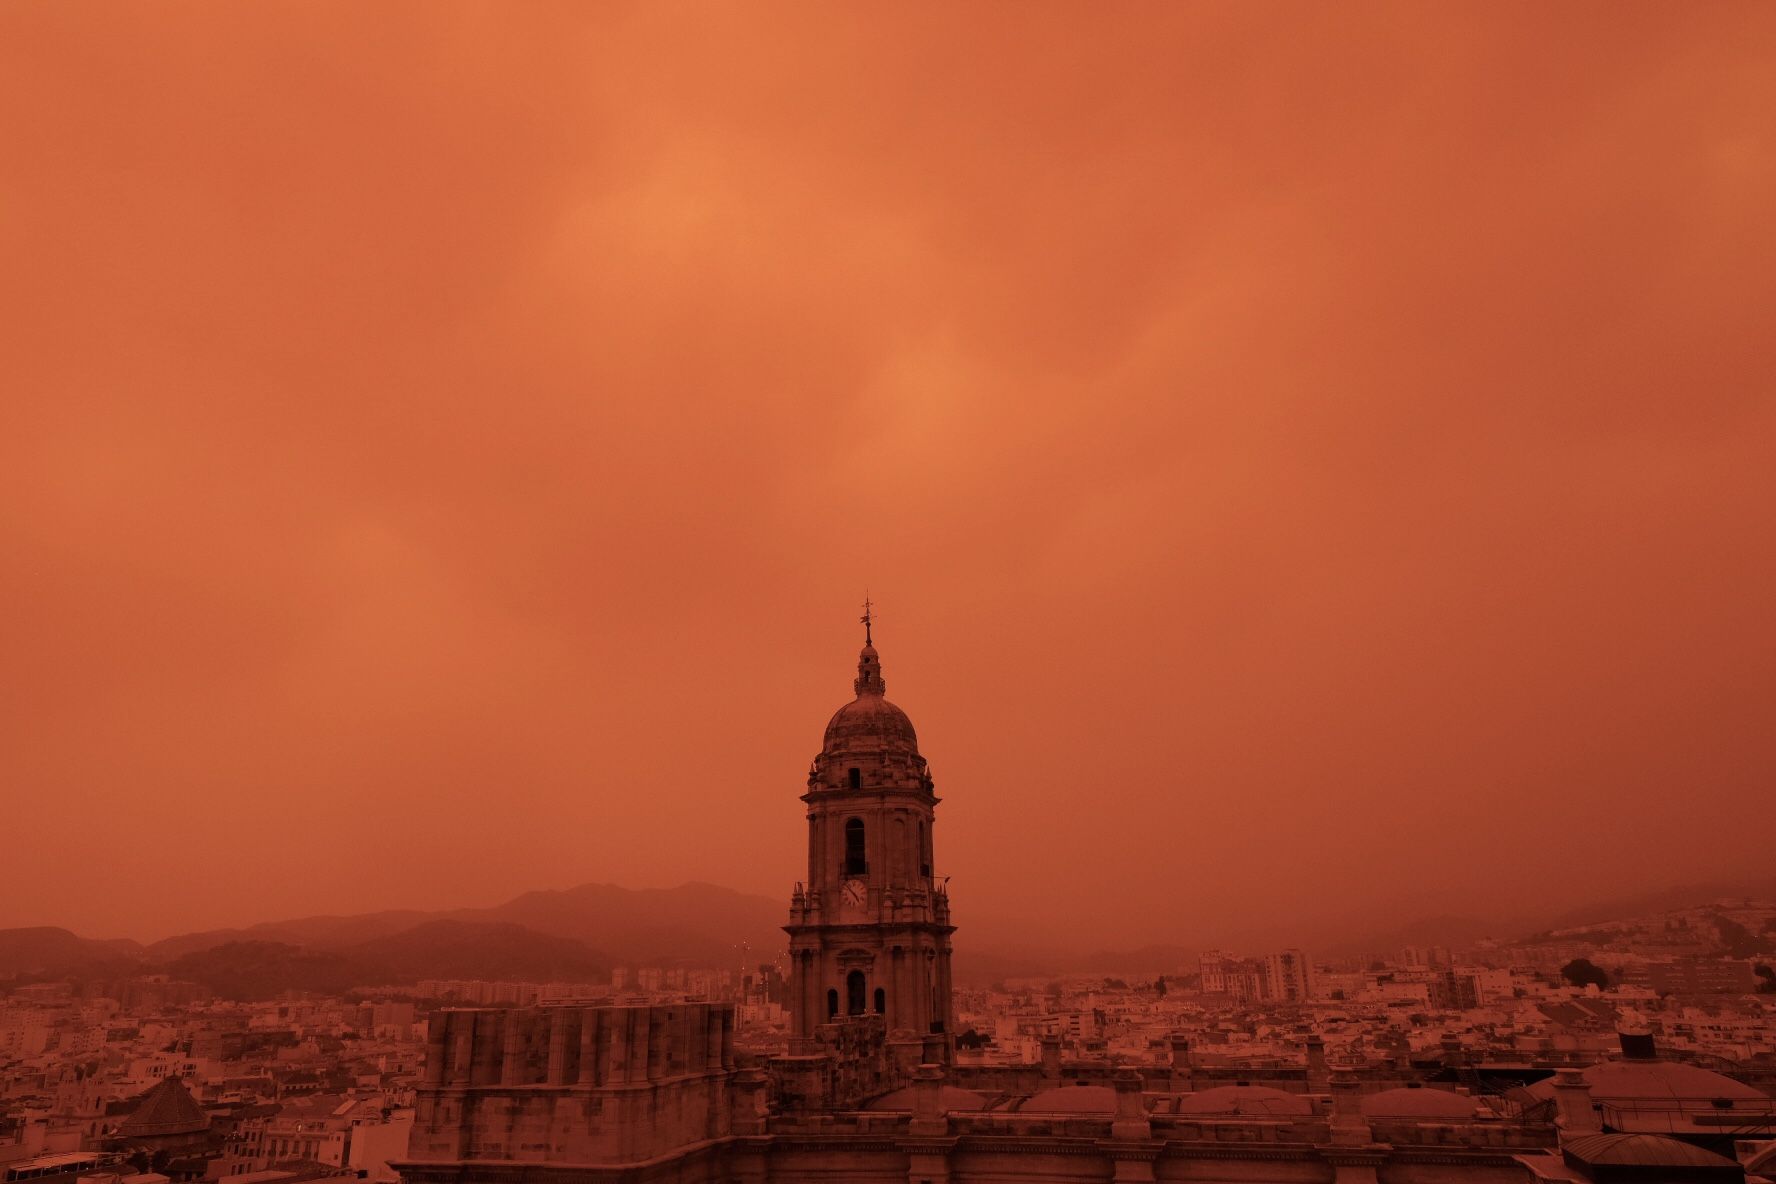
(1313,460)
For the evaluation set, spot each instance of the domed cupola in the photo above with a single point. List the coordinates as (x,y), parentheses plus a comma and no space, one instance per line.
(869,737)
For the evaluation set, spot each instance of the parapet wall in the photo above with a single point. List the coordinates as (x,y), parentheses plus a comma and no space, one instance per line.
(580,1085)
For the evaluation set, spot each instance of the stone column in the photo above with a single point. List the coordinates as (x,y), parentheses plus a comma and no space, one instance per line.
(1181,1077)
(1319,1078)
(1348,1123)
(654,1038)
(558,1046)
(622,1046)
(1572,1100)
(748,1091)
(590,1018)
(437,1048)
(1131,1111)
(512,1048)
(462,1059)
(930,1117)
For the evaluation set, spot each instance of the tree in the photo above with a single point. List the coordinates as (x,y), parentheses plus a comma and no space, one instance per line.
(1159,985)
(1768,986)
(1739,940)
(1582,972)
(969,1038)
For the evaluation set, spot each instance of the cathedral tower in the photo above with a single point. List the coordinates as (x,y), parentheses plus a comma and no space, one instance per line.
(869,931)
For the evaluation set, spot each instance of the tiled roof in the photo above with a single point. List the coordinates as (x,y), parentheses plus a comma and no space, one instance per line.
(167,1109)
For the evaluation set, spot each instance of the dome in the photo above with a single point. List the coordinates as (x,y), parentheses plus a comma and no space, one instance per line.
(869,723)
(1429,1104)
(1667,1081)
(1664,1080)
(1071,1099)
(1642,1151)
(1245,1101)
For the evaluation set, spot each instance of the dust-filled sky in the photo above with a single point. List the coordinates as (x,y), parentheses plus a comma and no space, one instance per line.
(1314,461)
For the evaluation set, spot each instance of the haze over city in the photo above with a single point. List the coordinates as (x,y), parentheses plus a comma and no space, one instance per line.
(1297,483)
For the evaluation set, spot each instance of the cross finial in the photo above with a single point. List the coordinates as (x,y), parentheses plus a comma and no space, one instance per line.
(868,616)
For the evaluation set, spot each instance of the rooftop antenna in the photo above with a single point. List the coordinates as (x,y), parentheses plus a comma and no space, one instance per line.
(868,616)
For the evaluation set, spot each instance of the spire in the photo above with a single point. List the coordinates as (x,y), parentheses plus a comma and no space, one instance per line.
(869,667)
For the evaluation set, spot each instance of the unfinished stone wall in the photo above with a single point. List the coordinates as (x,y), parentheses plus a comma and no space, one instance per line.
(583,1085)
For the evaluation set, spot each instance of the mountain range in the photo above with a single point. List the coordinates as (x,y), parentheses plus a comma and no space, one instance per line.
(579,934)
(575,934)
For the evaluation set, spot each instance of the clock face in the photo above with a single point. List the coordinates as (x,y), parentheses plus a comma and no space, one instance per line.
(854,893)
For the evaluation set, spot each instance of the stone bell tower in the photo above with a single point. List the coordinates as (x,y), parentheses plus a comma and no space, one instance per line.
(869,931)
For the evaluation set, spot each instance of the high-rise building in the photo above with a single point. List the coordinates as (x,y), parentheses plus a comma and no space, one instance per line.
(1290,976)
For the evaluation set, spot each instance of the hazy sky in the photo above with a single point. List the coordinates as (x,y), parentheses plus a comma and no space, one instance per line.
(1312,460)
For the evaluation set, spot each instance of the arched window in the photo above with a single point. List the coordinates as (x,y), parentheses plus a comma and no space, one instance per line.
(856,778)
(881,1000)
(855,863)
(832,1004)
(855,987)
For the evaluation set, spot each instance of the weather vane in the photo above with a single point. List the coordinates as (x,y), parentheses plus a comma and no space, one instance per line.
(868,616)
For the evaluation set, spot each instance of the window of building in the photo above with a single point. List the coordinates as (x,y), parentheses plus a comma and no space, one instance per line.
(855,862)
(881,1000)
(856,778)
(832,1004)
(855,986)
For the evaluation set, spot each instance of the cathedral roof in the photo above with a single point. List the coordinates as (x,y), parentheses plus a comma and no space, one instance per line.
(167,1109)
(1072,1099)
(1417,1103)
(1248,1101)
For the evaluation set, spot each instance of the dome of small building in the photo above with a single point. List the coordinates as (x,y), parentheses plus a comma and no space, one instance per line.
(1423,1104)
(1071,1099)
(1642,1151)
(1664,1080)
(1245,1101)
(1641,1081)
(952,1097)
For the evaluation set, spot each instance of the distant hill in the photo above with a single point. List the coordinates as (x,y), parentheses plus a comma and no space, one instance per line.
(1664,900)
(249,970)
(256,969)
(325,932)
(693,924)
(45,950)
(571,934)
(581,932)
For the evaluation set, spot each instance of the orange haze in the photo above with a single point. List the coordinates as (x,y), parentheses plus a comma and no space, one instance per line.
(1314,460)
